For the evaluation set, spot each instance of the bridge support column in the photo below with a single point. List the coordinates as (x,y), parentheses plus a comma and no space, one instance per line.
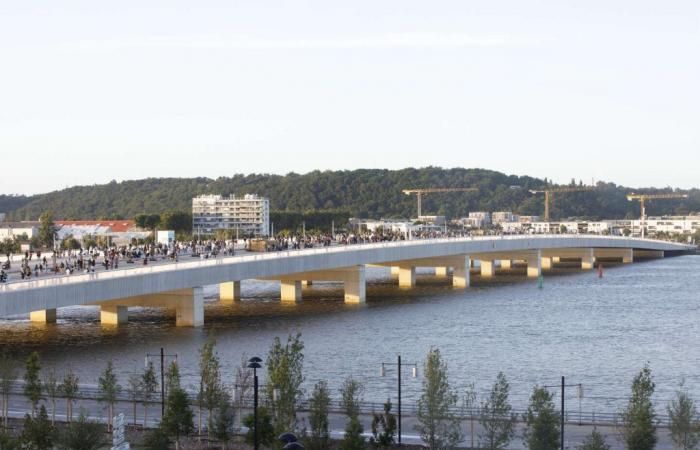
(189,309)
(587,259)
(461,273)
(43,316)
(395,271)
(306,283)
(114,314)
(355,285)
(487,268)
(407,276)
(230,291)
(441,271)
(534,267)
(627,256)
(506,264)
(290,291)
(546,262)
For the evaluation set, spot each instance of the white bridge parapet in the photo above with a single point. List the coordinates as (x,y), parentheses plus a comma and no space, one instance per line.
(340,263)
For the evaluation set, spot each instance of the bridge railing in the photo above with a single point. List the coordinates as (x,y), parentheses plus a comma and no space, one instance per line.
(60,280)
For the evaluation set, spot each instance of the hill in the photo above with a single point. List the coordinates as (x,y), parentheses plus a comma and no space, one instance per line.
(359,193)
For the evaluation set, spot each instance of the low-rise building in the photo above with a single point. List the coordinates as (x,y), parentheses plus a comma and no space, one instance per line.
(10,230)
(249,214)
(672,225)
(503,216)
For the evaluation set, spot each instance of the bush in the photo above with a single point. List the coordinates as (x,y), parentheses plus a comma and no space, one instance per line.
(157,439)
(83,434)
(38,433)
(266,432)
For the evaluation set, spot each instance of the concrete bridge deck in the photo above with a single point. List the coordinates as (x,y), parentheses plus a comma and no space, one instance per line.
(179,285)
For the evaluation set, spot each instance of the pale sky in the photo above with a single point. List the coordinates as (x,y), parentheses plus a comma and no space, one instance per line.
(591,89)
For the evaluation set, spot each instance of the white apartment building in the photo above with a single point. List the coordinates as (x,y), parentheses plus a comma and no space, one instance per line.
(503,216)
(669,224)
(249,214)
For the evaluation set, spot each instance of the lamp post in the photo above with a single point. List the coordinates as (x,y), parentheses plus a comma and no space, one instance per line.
(414,374)
(254,363)
(162,356)
(563,386)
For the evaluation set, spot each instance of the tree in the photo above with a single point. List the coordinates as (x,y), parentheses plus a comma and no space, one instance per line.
(541,421)
(134,391)
(683,416)
(210,388)
(496,417)
(108,390)
(437,424)
(70,388)
(266,430)
(284,374)
(83,434)
(37,432)
(7,378)
(223,418)
(383,428)
(638,430)
(470,409)
(47,229)
(319,405)
(32,383)
(149,387)
(178,221)
(172,378)
(52,389)
(594,441)
(9,442)
(178,418)
(351,397)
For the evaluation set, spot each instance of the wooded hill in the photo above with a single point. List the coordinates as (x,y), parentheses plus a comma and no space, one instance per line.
(359,193)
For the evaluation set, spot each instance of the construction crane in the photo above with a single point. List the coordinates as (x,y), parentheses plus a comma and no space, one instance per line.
(646,197)
(549,195)
(419,193)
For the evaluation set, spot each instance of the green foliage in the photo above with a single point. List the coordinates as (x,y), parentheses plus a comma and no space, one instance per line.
(178,221)
(108,388)
(7,378)
(32,383)
(70,243)
(319,404)
(172,377)
(69,389)
(52,389)
(353,439)
(223,419)
(383,428)
(266,431)
(178,419)
(438,427)
(638,431)
(496,417)
(157,439)
(351,396)
(684,427)
(594,441)
(83,434)
(133,390)
(210,387)
(38,433)
(9,442)
(285,373)
(149,387)
(541,422)
(359,193)
(47,230)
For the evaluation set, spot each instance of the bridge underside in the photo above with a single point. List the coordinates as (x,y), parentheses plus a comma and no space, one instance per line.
(189,303)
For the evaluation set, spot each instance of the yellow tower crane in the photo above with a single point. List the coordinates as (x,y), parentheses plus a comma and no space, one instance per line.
(419,193)
(646,197)
(549,195)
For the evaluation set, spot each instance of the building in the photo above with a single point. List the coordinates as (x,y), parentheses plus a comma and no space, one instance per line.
(503,216)
(10,230)
(432,220)
(119,232)
(672,225)
(2,217)
(250,214)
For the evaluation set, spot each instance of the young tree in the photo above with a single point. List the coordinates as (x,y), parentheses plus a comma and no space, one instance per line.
(285,374)
(351,397)
(266,431)
(83,434)
(210,387)
(638,430)
(70,388)
(594,441)
(684,427)
(222,421)
(134,391)
(108,389)
(172,378)
(178,418)
(383,428)
(47,229)
(149,387)
(496,417)
(541,422)
(52,389)
(38,433)
(470,409)
(157,439)
(319,405)
(32,383)
(244,383)
(7,378)
(438,426)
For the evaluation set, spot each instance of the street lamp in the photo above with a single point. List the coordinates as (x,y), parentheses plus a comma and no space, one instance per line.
(579,393)
(290,441)
(162,355)
(414,374)
(254,363)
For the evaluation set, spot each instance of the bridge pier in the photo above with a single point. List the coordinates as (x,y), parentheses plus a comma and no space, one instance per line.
(441,271)
(407,276)
(355,285)
(488,268)
(546,262)
(534,267)
(290,290)
(229,291)
(461,274)
(189,307)
(587,259)
(306,283)
(43,316)
(506,264)
(113,314)
(395,271)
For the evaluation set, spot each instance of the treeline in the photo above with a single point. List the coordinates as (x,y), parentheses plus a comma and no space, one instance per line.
(360,193)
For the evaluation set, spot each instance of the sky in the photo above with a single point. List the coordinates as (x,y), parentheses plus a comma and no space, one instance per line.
(589,89)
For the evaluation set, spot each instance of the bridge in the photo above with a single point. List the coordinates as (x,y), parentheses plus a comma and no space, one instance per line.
(180,285)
